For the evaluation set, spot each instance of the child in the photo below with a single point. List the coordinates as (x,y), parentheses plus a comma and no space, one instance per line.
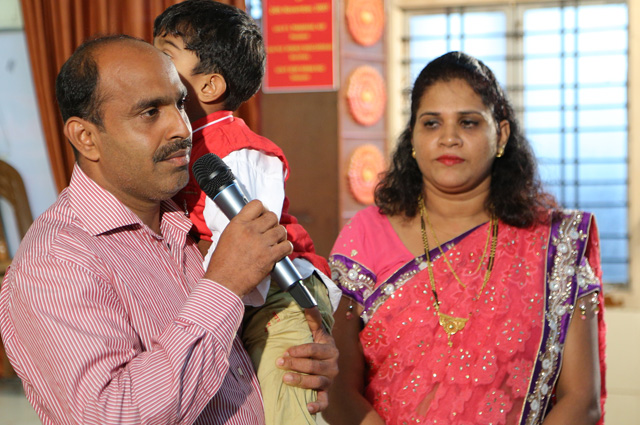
(219,54)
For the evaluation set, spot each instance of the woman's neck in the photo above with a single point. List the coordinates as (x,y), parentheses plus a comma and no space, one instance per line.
(454,214)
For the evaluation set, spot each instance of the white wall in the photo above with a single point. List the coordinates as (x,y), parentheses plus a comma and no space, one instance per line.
(623,367)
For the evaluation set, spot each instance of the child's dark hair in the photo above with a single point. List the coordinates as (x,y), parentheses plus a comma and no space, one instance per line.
(226,41)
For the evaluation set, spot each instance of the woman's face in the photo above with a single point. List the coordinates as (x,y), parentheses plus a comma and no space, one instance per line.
(456,139)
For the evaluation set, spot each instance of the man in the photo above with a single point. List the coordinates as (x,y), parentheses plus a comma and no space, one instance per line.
(105,313)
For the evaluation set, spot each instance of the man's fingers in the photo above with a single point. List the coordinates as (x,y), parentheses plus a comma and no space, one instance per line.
(314,382)
(314,319)
(252,210)
(316,351)
(248,248)
(276,235)
(312,359)
(321,403)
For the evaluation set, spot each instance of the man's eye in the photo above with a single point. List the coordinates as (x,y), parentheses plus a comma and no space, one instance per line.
(182,102)
(150,112)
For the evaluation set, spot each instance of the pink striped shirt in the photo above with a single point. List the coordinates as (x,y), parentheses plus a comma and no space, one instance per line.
(107,322)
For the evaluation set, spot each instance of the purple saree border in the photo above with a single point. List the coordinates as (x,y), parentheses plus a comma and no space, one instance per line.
(413,266)
(558,217)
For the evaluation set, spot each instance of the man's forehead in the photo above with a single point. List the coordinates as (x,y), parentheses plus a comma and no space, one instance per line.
(135,67)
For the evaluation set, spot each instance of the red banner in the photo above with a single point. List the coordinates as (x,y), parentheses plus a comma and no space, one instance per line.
(300,42)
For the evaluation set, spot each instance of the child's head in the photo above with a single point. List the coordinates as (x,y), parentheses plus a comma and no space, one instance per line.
(217,49)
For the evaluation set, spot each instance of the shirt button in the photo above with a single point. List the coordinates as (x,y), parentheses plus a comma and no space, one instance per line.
(240,371)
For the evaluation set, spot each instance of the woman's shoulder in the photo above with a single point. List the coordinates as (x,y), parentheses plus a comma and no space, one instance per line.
(565,212)
(366,230)
(557,216)
(562,217)
(367,221)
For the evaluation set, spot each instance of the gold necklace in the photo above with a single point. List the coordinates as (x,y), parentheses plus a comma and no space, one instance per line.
(452,324)
(435,238)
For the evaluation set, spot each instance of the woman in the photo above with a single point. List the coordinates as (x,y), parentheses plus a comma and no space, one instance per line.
(497,325)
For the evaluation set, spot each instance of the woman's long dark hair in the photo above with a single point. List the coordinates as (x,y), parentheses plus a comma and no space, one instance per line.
(516,196)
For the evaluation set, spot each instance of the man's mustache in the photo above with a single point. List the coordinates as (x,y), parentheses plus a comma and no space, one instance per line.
(166,151)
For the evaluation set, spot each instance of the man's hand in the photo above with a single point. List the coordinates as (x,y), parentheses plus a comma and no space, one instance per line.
(316,364)
(248,248)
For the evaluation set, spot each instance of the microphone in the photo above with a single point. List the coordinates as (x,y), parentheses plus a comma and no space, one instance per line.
(216,179)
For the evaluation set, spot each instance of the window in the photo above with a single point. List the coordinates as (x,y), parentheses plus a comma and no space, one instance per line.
(564,68)
(254,9)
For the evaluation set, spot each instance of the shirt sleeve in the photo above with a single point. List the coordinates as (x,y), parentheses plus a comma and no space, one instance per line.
(260,176)
(113,378)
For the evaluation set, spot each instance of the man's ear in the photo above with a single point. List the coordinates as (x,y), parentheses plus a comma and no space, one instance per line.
(83,135)
(212,88)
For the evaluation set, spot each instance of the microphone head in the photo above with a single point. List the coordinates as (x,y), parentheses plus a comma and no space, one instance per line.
(212,174)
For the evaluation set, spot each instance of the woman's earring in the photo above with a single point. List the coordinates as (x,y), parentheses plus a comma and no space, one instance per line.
(500,152)
(413,153)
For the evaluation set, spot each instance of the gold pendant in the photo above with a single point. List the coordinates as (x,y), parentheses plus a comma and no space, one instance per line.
(451,324)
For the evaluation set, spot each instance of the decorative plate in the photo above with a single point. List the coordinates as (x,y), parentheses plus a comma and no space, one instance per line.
(365,166)
(365,20)
(366,95)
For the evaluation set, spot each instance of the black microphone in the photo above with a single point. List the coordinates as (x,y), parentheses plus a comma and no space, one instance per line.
(218,182)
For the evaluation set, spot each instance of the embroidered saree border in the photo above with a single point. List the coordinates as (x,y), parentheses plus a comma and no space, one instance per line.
(567,243)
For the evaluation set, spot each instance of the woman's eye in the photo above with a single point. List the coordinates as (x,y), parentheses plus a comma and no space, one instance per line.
(469,123)
(430,123)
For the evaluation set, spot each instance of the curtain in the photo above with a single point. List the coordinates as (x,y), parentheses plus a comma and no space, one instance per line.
(54,28)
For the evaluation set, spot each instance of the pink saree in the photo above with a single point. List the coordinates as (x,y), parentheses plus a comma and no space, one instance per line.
(503,366)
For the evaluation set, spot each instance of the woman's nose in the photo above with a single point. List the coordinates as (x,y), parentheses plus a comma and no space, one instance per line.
(450,136)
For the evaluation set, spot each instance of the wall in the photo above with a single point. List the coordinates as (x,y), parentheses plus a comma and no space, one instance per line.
(623,367)
(21,140)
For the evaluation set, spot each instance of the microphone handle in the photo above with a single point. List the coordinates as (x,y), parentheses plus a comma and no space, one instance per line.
(230,200)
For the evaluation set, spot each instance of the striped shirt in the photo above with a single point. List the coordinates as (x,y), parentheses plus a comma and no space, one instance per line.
(106,321)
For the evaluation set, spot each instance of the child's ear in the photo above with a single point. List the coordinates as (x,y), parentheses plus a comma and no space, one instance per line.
(84,136)
(213,88)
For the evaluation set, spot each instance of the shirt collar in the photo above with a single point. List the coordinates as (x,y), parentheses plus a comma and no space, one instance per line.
(102,212)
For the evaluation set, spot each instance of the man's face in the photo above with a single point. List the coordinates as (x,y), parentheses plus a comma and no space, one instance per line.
(145,143)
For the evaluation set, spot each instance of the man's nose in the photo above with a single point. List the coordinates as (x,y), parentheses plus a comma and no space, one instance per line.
(180,125)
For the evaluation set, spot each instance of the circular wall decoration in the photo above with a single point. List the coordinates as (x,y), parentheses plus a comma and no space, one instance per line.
(365,20)
(366,95)
(365,166)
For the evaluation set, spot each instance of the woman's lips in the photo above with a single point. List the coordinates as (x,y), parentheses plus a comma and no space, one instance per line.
(449,159)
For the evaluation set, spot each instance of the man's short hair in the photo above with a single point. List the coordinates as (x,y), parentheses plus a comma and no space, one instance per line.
(77,81)
(226,41)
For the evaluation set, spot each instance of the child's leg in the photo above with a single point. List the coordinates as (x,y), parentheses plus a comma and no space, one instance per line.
(267,332)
